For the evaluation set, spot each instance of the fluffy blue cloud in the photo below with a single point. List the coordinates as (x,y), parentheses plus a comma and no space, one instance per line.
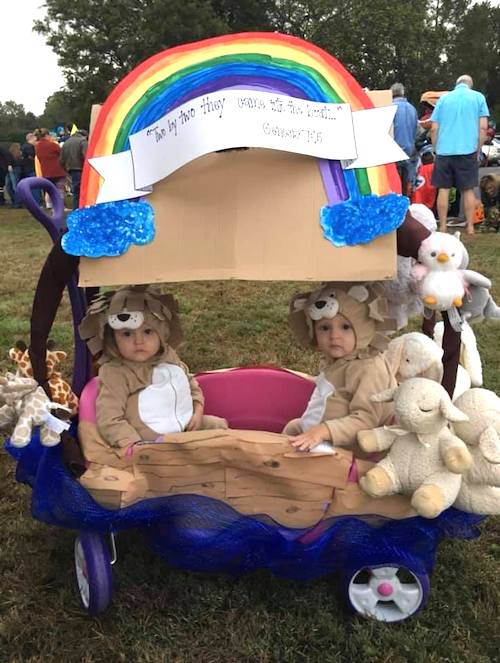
(361,221)
(108,229)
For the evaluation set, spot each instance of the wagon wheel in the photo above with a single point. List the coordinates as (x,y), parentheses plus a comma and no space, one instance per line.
(93,572)
(387,593)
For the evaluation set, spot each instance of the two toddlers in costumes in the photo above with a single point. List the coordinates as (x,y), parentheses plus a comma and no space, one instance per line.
(145,390)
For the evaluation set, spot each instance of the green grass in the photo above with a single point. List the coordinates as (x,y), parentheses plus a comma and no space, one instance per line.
(160,614)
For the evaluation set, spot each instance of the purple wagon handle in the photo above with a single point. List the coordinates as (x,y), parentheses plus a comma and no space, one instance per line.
(55,225)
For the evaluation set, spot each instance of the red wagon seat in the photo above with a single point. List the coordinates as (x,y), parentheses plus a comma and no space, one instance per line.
(256,398)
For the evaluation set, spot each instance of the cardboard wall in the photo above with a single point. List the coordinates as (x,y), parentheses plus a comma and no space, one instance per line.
(250,214)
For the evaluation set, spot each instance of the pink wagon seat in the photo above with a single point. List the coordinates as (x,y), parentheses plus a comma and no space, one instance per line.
(256,398)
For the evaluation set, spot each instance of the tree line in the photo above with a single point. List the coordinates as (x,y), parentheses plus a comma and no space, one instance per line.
(425,44)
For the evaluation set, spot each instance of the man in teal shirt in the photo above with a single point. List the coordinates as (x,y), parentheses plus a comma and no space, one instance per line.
(459,124)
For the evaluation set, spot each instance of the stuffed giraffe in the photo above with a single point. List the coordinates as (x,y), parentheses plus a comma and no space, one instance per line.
(60,390)
(25,405)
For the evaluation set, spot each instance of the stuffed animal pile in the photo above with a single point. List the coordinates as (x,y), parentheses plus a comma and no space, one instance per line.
(60,390)
(24,403)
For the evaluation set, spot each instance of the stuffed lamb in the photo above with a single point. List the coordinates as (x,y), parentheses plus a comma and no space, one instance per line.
(415,355)
(480,489)
(425,459)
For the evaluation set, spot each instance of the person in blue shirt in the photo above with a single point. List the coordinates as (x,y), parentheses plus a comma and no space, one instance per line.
(458,131)
(405,131)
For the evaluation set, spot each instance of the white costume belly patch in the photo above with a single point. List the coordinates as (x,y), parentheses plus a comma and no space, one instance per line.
(166,406)
(315,409)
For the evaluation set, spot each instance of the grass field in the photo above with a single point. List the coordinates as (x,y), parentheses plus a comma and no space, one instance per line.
(160,614)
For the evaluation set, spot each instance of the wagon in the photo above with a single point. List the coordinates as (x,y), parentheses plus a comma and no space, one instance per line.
(383,564)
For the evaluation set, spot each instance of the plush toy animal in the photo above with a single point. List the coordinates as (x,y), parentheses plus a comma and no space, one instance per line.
(415,355)
(27,405)
(440,272)
(425,459)
(401,293)
(480,489)
(479,305)
(59,388)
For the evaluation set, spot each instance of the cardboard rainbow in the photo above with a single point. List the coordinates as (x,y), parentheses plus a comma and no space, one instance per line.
(322,207)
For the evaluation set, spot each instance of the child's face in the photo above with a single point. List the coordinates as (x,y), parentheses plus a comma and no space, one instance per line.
(137,344)
(489,188)
(335,336)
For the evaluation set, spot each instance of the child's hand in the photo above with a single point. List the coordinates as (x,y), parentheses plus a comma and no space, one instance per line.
(195,421)
(310,439)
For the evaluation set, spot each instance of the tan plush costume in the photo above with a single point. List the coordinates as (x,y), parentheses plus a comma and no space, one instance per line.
(138,401)
(341,399)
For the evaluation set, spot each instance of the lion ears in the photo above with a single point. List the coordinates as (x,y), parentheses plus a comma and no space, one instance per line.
(357,292)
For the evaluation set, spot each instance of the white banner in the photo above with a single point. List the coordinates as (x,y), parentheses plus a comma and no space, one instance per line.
(242,118)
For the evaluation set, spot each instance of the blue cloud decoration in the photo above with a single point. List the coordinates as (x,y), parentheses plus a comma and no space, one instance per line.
(360,221)
(109,229)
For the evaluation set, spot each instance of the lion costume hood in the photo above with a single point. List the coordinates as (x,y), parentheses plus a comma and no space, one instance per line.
(128,308)
(363,305)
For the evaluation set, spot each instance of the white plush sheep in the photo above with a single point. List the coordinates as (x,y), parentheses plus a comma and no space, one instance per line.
(415,355)
(480,489)
(425,459)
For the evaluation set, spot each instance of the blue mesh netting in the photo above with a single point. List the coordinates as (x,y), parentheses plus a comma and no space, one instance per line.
(202,534)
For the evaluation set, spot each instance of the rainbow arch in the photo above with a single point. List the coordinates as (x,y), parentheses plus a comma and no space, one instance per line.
(264,61)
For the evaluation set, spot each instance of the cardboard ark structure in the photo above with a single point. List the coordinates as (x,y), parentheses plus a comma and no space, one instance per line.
(226,212)
(255,472)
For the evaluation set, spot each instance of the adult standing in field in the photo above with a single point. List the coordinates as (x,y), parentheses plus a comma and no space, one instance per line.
(405,132)
(73,153)
(458,131)
(14,173)
(48,152)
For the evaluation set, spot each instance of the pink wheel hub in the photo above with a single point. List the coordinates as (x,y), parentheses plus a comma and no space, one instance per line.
(385,589)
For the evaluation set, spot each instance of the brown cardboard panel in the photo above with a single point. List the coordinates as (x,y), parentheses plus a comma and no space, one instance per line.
(324,470)
(94,114)
(208,489)
(180,474)
(284,511)
(245,484)
(353,501)
(96,450)
(251,214)
(247,215)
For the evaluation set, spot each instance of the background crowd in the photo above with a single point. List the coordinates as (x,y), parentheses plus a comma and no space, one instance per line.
(58,157)
(445,151)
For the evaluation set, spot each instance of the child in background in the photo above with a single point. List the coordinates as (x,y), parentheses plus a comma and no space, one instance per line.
(424,192)
(145,390)
(344,322)
(489,185)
